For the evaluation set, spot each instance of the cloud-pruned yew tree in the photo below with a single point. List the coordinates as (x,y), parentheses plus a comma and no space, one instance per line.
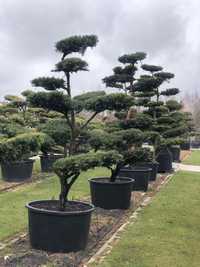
(58,94)
(157,103)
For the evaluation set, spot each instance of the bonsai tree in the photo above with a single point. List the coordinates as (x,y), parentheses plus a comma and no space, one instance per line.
(126,142)
(15,155)
(21,147)
(123,77)
(149,93)
(69,232)
(59,97)
(142,90)
(69,169)
(149,90)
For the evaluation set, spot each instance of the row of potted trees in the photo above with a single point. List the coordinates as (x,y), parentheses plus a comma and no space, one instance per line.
(62,225)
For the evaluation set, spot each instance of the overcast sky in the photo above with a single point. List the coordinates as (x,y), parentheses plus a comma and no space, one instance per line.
(168,31)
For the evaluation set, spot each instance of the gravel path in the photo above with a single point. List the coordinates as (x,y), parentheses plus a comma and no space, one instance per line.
(184,167)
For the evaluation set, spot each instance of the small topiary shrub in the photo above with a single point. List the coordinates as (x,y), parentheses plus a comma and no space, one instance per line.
(139,155)
(69,169)
(21,147)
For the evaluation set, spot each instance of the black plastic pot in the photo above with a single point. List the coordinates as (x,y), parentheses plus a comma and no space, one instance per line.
(153,166)
(111,195)
(57,231)
(17,171)
(185,146)
(47,161)
(139,174)
(164,159)
(176,151)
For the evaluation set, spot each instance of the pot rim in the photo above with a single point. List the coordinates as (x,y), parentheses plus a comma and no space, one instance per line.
(148,162)
(137,169)
(125,180)
(51,155)
(26,161)
(59,213)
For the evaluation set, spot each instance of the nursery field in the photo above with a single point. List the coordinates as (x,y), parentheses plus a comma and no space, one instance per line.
(193,159)
(106,136)
(166,233)
(13,217)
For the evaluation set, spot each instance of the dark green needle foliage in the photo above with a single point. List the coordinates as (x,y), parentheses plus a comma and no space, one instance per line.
(69,168)
(60,99)
(162,112)
(123,76)
(23,146)
(76,44)
(49,83)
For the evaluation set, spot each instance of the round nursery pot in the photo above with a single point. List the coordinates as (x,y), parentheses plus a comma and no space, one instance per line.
(47,161)
(139,174)
(164,159)
(175,150)
(17,171)
(59,231)
(111,195)
(154,169)
(185,146)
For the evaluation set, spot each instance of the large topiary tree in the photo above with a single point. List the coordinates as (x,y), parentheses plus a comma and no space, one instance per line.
(59,97)
(153,98)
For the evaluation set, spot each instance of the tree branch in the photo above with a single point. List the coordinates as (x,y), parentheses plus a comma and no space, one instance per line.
(68,121)
(91,118)
(73,180)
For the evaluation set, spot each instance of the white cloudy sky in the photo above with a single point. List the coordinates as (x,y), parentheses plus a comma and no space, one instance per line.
(168,31)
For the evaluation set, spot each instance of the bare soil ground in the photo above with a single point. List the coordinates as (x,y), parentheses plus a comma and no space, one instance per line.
(185,154)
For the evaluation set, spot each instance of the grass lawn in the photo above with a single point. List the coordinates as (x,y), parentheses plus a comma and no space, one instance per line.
(193,159)
(166,233)
(13,215)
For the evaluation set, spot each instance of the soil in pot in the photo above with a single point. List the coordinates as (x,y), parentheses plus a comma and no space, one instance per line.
(153,166)
(17,171)
(59,231)
(111,195)
(176,151)
(47,161)
(164,159)
(139,174)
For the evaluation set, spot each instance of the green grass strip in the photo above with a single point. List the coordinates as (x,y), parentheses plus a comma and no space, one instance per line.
(13,215)
(167,232)
(193,159)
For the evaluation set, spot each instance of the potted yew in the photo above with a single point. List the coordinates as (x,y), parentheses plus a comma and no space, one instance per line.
(123,77)
(16,153)
(111,192)
(125,142)
(136,166)
(148,89)
(63,225)
(143,156)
